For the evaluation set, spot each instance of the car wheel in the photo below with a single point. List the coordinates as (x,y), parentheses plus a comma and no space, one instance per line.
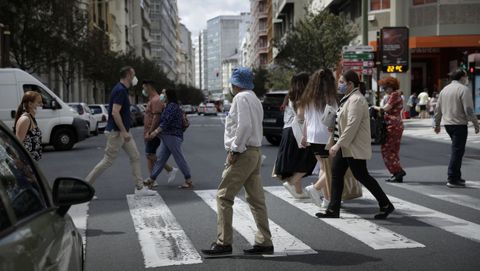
(63,139)
(96,132)
(274,140)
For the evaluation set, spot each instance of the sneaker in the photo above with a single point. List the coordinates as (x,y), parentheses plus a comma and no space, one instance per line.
(290,188)
(153,185)
(172,174)
(455,184)
(325,203)
(144,191)
(314,195)
(148,182)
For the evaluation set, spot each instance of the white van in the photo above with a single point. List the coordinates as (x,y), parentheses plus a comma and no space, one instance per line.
(60,125)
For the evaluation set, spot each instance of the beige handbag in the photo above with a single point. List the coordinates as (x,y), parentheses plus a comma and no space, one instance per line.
(351,189)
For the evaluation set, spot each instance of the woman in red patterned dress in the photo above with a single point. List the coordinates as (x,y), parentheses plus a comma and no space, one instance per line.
(393,109)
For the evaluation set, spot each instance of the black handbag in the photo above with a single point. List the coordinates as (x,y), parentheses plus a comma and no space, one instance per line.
(378,127)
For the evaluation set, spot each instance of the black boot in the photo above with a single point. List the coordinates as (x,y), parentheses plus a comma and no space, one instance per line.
(385,211)
(328,214)
(397,177)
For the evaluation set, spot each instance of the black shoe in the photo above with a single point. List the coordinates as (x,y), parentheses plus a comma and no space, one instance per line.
(462,181)
(256,249)
(328,214)
(456,184)
(395,179)
(217,249)
(384,212)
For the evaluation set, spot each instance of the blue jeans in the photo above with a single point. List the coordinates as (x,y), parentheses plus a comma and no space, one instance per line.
(171,145)
(458,134)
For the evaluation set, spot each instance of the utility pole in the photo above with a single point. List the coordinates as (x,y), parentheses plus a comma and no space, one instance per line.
(367,78)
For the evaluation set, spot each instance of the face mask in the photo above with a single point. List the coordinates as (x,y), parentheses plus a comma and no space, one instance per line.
(342,88)
(134,81)
(162,97)
(144,93)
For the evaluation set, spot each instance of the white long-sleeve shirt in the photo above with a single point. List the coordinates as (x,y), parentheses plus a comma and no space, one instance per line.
(243,125)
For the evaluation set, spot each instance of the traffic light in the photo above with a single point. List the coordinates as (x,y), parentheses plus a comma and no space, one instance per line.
(471,68)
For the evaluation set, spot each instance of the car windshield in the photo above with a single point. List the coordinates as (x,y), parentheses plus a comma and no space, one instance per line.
(96,109)
(77,108)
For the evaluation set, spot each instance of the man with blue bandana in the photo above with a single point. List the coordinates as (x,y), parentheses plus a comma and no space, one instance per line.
(243,139)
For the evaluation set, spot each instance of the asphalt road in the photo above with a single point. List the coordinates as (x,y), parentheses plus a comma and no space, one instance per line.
(436,228)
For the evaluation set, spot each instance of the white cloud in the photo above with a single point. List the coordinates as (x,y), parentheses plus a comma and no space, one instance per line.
(195,13)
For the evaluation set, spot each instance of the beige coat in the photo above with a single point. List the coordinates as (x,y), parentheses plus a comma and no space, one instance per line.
(354,128)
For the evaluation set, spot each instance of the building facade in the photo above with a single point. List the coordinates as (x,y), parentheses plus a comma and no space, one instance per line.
(186,61)
(443,33)
(260,11)
(163,32)
(222,43)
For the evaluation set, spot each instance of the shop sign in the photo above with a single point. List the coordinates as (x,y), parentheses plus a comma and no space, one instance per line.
(394,49)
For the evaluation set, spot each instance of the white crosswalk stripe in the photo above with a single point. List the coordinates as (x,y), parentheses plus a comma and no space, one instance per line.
(161,237)
(422,128)
(163,242)
(243,222)
(369,233)
(435,218)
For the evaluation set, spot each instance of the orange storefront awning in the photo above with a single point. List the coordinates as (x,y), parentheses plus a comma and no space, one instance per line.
(441,41)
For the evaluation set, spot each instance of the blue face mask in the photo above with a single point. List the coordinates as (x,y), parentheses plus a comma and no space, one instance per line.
(342,88)
(162,97)
(144,93)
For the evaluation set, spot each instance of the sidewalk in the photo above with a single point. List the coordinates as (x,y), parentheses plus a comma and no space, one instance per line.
(422,128)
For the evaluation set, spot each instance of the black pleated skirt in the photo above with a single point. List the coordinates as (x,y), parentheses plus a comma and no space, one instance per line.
(291,159)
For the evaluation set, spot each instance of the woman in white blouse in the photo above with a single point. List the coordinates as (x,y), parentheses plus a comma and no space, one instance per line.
(320,91)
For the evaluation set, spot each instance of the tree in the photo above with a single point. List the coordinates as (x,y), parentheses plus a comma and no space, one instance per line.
(30,23)
(260,81)
(279,78)
(316,42)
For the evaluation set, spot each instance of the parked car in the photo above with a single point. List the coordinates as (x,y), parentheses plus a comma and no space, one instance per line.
(60,125)
(273,116)
(100,112)
(188,109)
(36,233)
(207,109)
(84,111)
(136,115)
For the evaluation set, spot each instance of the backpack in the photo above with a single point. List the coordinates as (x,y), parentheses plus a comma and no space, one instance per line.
(185,122)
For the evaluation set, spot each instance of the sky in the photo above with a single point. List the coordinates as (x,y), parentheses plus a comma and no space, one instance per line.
(194,14)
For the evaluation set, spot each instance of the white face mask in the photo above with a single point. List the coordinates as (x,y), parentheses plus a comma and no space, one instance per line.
(134,81)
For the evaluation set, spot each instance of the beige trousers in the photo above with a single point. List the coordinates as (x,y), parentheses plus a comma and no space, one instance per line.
(114,143)
(245,172)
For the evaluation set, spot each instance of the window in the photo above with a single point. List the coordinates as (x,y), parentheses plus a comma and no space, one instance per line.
(46,97)
(379,4)
(19,181)
(423,2)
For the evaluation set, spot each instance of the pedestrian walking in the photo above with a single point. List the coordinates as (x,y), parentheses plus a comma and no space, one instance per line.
(351,147)
(412,105)
(243,139)
(155,107)
(320,92)
(294,163)
(170,130)
(118,133)
(423,99)
(393,118)
(25,126)
(455,109)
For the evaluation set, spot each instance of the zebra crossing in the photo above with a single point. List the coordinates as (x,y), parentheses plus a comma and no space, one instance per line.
(422,128)
(163,241)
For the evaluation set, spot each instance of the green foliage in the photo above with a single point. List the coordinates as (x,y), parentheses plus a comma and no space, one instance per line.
(279,78)
(316,42)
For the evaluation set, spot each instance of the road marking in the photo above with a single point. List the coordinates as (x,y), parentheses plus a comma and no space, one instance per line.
(79,214)
(463,200)
(437,219)
(471,184)
(369,233)
(243,222)
(161,237)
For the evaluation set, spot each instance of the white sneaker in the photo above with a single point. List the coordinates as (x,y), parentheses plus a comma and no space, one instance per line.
(172,174)
(314,195)
(290,188)
(144,191)
(325,203)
